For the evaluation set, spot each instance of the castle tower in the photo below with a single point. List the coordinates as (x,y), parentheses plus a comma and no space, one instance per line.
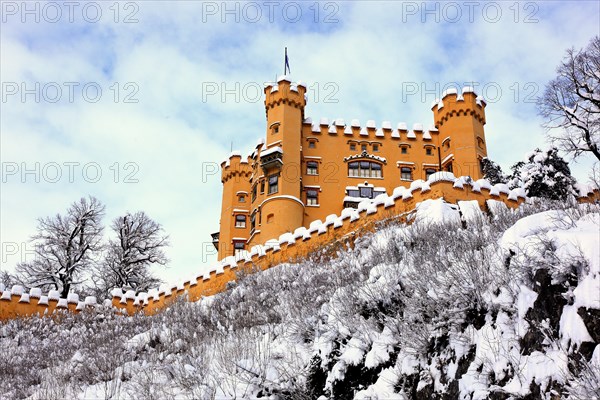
(235,205)
(460,119)
(279,160)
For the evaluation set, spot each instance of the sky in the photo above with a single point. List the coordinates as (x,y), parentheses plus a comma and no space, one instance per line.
(138,102)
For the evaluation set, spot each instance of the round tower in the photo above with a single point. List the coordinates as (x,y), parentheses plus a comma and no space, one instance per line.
(281,207)
(460,119)
(235,176)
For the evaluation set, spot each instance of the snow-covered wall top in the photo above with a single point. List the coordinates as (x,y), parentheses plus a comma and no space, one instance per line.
(422,200)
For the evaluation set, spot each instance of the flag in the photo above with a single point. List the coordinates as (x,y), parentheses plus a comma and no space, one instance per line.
(287,64)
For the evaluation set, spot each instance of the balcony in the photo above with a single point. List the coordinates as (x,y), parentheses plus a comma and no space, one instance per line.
(215,239)
(271,158)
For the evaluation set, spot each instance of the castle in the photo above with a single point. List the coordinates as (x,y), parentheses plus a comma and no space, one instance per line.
(305,170)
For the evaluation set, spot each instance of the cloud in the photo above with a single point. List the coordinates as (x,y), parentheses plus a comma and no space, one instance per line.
(179,87)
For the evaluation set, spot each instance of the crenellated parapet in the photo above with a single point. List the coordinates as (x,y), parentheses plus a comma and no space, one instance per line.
(284,91)
(453,104)
(17,302)
(370,131)
(235,167)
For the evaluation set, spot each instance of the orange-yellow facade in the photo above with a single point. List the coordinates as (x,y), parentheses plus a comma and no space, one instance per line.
(304,170)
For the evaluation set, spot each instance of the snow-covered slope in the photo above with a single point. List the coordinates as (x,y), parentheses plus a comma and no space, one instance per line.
(457,305)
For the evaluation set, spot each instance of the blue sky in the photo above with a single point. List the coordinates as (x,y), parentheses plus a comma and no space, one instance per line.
(365,60)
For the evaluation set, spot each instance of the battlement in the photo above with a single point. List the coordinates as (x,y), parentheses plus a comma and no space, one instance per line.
(370,131)
(235,166)
(454,104)
(468,196)
(16,302)
(284,91)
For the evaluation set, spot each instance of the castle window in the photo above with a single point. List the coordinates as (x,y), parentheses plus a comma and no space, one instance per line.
(366,192)
(312,168)
(352,146)
(404,150)
(429,172)
(312,144)
(353,193)
(273,184)
(254,193)
(238,247)
(480,142)
(446,143)
(312,197)
(363,147)
(242,198)
(262,186)
(275,128)
(253,222)
(375,147)
(240,221)
(270,218)
(428,151)
(364,169)
(406,174)
(448,167)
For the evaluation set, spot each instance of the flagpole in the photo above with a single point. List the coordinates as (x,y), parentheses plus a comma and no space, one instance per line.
(285,62)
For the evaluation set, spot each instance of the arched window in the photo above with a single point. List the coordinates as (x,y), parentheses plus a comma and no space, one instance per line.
(429,172)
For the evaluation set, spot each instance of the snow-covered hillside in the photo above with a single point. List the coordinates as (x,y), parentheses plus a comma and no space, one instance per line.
(457,305)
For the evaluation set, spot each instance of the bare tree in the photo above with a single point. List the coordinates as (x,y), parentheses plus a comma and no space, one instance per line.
(571,102)
(64,247)
(139,243)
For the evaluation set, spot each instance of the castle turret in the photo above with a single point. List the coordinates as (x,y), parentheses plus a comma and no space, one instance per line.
(279,160)
(235,209)
(460,119)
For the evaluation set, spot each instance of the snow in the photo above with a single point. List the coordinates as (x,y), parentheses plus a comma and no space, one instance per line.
(436,212)
(363,132)
(371,124)
(332,129)
(386,125)
(316,128)
(418,127)
(449,91)
(402,126)
(24,298)
(17,290)
(355,123)
(271,150)
(6,295)
(411,135)
(379,133)
(53,295)
(426,136)
(90,301)
(347,130)
(324,121)
(35,293)
(470,210)
(339,122)
(572,328)
(72,298)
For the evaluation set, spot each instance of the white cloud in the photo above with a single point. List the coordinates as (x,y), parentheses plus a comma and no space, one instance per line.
(175,129)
